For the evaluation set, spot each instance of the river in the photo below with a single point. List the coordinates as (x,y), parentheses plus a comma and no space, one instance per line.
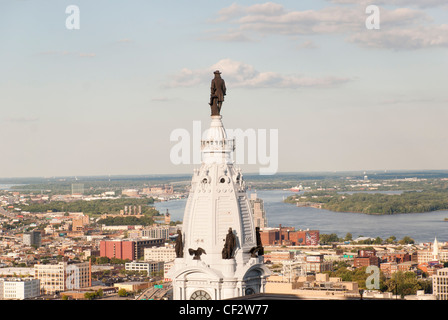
(8,186)
(422,227)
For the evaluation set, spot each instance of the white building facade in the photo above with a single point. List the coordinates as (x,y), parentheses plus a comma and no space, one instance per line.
(432,254)
(63,276)
(166,253)
(150,266)
(19,288)
(440,284)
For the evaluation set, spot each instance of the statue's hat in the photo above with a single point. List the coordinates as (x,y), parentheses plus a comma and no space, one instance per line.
(217,71)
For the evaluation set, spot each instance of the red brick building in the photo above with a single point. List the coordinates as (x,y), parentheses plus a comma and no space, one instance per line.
(365,262)
(269,236)
(366,258)
(127,249)
(118,249)
(400,257)
(309,238)
(289,236)
(388,268)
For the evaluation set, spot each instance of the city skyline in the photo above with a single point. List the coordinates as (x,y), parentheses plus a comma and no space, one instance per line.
(104,99)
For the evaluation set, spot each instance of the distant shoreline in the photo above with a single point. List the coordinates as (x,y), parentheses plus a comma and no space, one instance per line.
(370,214)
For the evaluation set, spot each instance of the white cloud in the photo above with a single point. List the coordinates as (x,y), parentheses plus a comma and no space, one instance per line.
(404,39)
(401,28)
(267,9)
(229,36)
(227,13)
(245,75)
(412,3)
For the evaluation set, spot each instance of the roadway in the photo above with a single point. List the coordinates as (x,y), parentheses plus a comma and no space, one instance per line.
(155,293)
(6,213)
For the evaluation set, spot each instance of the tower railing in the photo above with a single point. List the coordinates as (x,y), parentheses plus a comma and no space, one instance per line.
(225,145)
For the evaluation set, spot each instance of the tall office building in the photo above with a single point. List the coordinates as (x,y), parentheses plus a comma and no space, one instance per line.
(156,232)
(32,238)
(257,206)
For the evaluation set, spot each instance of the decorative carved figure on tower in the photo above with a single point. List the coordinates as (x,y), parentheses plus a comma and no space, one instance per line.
(179,246)
(218,91)
(259,244)
(197,253)
(229,245)
(258,250)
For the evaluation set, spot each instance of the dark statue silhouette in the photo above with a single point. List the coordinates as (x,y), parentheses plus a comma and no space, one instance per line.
(179,247)
(258,250)
(197,253)
(218,91)
(229,245)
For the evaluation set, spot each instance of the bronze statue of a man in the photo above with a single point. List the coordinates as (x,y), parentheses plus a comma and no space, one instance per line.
(218,91)
(258,250)
(229,245)
(179,246)
(259,244)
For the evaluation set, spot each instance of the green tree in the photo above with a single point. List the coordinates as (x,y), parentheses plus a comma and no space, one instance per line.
(403,283)
(406,240)
(407,202)
(378,240)
(122,293)
(425,284)
(102,260)
(328,238)
(348,237)
(90,295)
(391,239)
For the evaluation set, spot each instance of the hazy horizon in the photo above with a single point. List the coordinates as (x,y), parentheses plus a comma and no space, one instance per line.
(251,174)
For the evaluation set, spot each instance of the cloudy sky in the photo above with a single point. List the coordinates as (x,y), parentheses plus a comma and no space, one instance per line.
(105,98)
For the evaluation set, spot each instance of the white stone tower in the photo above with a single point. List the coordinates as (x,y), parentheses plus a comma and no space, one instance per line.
(435,250)
(217,202)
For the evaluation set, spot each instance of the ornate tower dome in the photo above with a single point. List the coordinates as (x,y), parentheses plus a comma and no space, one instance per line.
(219,252)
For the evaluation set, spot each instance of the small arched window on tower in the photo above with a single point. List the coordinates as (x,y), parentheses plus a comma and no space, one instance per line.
(223,179)
(238,178)
(205,180)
